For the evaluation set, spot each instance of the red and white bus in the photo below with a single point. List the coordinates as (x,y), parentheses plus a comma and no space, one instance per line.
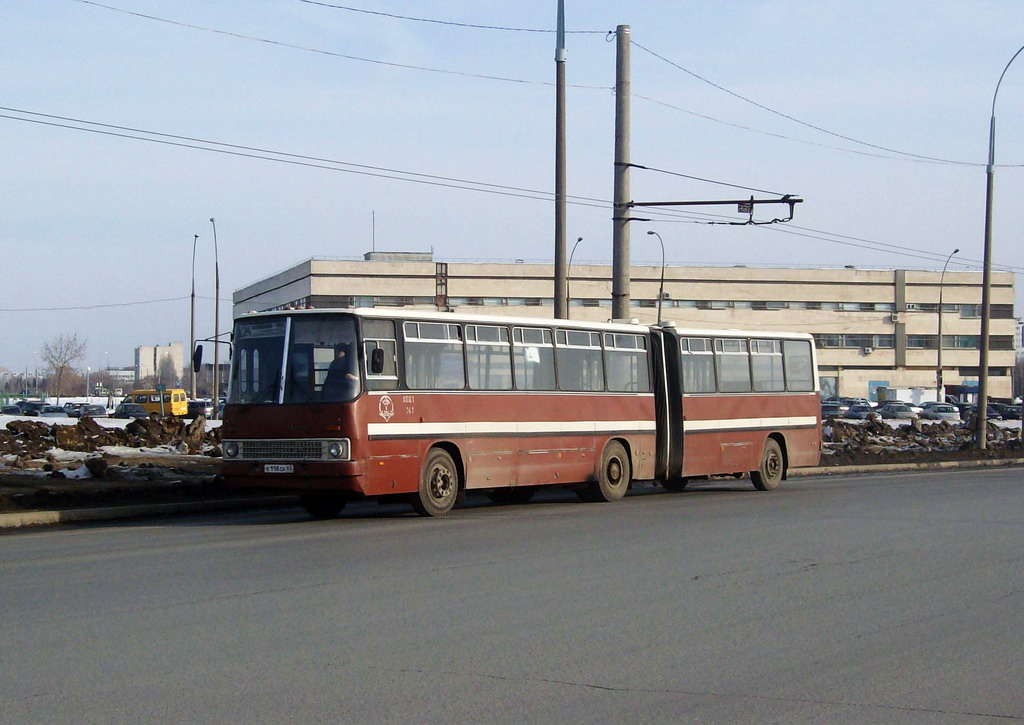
(339,405)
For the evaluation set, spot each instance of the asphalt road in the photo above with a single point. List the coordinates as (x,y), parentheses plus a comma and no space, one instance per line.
(854,599)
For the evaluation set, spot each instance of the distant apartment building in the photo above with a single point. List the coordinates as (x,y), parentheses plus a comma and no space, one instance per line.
(874,328)
(162,363)
(123,376)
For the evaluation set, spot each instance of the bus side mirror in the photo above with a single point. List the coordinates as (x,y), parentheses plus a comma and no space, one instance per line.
(377,361)
(197,358)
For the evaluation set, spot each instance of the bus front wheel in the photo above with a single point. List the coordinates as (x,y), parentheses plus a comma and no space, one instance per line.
(772,468)
(612,478)
(439,485)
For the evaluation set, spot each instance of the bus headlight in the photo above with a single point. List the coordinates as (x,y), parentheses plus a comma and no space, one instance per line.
(230,449)
(338,449)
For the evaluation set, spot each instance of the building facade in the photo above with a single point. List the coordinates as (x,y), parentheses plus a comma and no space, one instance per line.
(874,328)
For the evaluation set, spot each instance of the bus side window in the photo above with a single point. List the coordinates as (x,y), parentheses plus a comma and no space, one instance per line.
(697,362)
(489,362)
(578,359)
(766,366)
(799,370)
(533,358)
(433,356)
(733,363)
(626,363)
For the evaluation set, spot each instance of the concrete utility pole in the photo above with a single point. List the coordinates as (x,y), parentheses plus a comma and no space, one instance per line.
(192,329)
(621,208)
(981,429)
(561,273)
(216,324)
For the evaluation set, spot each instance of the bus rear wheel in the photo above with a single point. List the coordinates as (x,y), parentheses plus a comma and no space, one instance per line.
(770,472)
(322,504)
(613,477)
(675,485)
(439,485)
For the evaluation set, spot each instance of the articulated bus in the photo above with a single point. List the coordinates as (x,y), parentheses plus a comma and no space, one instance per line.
(423,407)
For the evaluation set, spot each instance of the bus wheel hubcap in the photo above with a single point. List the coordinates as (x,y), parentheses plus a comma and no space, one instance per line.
(441,483)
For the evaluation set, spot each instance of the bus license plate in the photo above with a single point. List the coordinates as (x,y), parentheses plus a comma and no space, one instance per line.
(278,468)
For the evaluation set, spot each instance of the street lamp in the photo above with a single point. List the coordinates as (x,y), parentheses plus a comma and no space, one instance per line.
(661,287)
(981,430)
(192,333)
(88,397)
(216,323)
(939,394)
(568,276)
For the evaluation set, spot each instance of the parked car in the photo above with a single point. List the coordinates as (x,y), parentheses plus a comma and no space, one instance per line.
(51,411)
(857,401)
(72,409)
(831,410)
(972,410)
(199,407)
(93,411)
(10,410)
(941,411)
(1009,412)
(860,411)
(130,410)
(30,407)
(915,408)
(837,402)
(897,411)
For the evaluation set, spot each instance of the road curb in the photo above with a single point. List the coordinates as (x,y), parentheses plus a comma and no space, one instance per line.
(21,519)
(889,467)
(111,513)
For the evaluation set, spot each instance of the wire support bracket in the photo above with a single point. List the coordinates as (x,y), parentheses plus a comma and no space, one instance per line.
(743,206)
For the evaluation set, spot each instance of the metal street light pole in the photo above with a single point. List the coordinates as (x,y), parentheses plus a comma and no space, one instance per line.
(940,396)
(568,276)
(216,324)
(661,287)
(981,431)
(88,396)
(192,332)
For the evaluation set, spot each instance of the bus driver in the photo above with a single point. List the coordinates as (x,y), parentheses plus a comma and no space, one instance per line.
(341,382)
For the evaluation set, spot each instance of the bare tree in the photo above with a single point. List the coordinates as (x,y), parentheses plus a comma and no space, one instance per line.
(167,371)
(60,355)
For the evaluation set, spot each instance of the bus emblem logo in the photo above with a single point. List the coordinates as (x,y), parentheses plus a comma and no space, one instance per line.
(386,407)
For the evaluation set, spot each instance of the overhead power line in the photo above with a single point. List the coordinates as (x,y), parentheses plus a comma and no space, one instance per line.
(252,152)
(332,53)
(900,155)
(447,22)
(921,157)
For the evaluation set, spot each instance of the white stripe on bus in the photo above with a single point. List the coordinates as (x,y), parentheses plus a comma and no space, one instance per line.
(699,426)
(509,428)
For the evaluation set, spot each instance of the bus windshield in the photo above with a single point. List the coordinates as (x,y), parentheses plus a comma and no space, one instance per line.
(322,360)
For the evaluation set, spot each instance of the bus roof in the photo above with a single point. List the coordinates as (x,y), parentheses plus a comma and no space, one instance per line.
(634,327)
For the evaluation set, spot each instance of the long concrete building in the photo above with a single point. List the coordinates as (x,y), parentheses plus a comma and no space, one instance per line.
(874,328)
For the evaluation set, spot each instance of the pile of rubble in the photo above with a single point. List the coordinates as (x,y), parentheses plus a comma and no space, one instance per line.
(876,441)
(32,439)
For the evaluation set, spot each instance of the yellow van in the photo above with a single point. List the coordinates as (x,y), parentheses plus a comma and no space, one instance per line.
(170,401)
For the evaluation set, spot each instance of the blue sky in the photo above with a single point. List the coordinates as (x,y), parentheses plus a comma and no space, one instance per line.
(833,101)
